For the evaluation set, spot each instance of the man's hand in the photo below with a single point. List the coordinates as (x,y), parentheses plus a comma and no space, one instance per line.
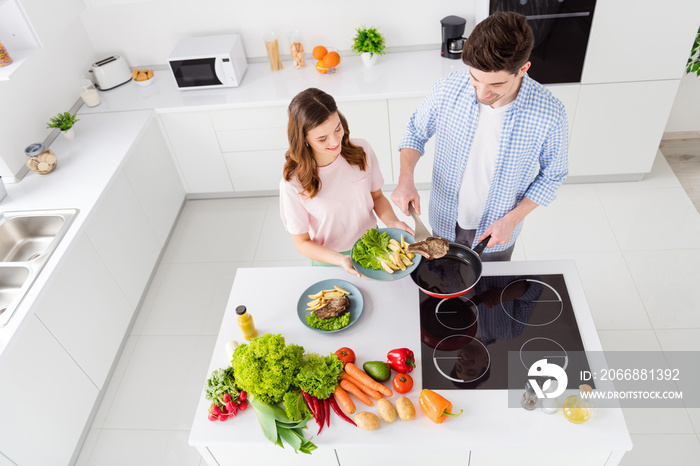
(501,230)
(405,191)
(404,194)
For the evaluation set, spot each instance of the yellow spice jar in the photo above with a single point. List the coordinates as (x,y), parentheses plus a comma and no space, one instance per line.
(41,159)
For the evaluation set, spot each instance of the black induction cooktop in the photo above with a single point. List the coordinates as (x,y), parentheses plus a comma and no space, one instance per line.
(466,341)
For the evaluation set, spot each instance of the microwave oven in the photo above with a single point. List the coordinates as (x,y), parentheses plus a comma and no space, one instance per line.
(208,62)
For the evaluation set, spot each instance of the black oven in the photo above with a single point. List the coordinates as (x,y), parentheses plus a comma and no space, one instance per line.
(561,29)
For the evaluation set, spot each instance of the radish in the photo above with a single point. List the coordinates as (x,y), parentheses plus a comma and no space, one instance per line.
(226,398)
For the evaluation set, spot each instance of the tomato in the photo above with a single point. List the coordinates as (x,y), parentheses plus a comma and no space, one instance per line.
(345,355)
(403,383)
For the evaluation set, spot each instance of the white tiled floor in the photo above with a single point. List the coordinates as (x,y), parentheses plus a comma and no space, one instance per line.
(636,246)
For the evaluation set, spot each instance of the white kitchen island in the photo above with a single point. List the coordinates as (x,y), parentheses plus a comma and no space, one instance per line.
(487,433)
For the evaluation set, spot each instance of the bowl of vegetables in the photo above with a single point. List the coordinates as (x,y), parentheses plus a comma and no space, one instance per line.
(382,254)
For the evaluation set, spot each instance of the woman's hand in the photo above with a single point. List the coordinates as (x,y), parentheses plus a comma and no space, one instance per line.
(346,264)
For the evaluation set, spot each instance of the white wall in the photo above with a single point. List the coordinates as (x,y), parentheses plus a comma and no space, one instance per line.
(47,84)
(685,114)
(144,32)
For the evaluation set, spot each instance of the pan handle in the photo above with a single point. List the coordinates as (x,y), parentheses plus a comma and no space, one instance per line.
(481,246)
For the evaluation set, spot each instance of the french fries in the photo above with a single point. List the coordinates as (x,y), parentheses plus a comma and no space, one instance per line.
(320,298)
(400,259)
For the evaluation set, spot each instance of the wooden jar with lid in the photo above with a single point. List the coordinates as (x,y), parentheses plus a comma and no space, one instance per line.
(41,159)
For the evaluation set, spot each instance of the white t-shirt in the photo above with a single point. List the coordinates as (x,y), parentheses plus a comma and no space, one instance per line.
(343,209)
(481,164)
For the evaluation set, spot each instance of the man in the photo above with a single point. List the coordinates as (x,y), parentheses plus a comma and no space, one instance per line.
(501,141)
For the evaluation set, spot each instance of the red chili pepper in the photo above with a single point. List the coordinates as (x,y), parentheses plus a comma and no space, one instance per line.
(339,412)
(401,360)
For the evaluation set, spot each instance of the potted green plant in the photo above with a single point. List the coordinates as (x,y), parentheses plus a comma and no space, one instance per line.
(369,43)
(693,64)
(64,122)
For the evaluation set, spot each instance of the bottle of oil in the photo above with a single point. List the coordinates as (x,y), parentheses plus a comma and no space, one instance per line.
(245,321)
(578,408)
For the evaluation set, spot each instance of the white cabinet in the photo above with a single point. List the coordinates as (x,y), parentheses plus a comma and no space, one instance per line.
(253,142)
(242,150)
(400,111)
(633,40)
(568,95)
(85,310)
(618,127)
(154,178)
(369,120)
(46,399)
(90,300)
(550,457)
(197,152)
(223,454)
(406,457)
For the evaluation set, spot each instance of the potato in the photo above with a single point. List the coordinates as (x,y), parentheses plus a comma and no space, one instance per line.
(150,74)
(135,73)
(405,409)
(386,410)
(366,420)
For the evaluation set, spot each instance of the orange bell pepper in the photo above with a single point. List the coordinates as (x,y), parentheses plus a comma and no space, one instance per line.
(435,406)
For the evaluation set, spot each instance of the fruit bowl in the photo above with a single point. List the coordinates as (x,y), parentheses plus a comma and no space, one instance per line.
(147,82)
(143,77)
(327,59)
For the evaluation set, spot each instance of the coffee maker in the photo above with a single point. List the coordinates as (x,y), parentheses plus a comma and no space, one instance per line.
(452,40)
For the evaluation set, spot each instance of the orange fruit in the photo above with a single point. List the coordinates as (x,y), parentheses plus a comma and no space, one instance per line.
(331,60)
(319,52)
(320,68)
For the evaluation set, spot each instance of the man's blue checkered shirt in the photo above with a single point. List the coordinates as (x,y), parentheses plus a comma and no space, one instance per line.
(532,155)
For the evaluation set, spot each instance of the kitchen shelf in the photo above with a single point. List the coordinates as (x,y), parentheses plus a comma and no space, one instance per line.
(17,35)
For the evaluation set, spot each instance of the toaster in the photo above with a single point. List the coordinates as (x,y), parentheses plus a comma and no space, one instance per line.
(110,73)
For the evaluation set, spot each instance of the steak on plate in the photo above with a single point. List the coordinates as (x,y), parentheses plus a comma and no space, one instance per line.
(333,307)
(430,248)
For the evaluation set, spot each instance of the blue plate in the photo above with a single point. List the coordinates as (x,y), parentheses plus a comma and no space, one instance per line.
(357,303)
(381,274)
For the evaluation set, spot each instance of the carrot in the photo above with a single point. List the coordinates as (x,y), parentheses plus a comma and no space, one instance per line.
(362,376)
(344,400)
(352,388)
(372,393)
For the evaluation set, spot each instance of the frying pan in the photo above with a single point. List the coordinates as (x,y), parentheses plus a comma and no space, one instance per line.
(452,275)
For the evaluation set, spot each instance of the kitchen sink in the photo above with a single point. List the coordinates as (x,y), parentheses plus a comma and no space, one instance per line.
(27,240)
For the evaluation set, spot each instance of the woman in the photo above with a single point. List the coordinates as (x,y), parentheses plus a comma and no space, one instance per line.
(331,186)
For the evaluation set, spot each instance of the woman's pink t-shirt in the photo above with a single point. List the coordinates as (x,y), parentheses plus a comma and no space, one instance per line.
(343,209)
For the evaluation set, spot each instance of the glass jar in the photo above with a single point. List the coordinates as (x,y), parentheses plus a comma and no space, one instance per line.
(245,321)
(578,408)
(41,159)
(529,400)
(297,49)
(5,58)
(88,93)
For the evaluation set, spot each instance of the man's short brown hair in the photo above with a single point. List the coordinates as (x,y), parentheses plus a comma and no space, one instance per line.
(501,42)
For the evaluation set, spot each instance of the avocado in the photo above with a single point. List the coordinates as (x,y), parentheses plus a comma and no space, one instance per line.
(378,370)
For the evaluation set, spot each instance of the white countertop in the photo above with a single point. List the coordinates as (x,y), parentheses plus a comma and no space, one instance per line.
(390,320)
(402,74)
(86,165)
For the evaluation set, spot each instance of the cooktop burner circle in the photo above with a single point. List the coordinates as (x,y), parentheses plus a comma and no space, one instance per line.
(543,348)
(468,363)
(456,313)
(547,307)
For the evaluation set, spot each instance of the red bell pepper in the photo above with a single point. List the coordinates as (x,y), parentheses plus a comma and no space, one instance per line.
(401,360)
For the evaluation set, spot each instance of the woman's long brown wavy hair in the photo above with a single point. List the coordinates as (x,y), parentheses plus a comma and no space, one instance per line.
(307,110)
